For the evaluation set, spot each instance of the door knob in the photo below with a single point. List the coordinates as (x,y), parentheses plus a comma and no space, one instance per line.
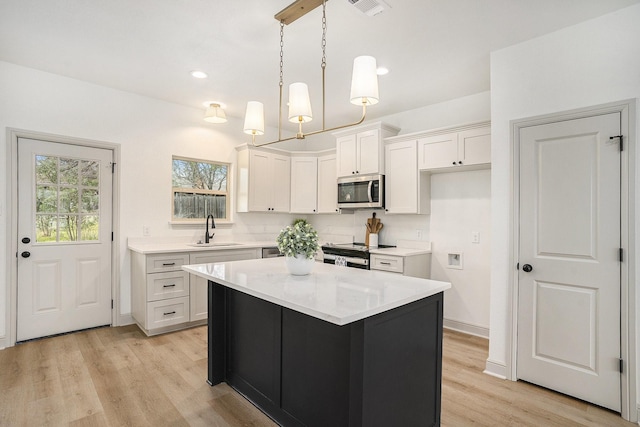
(527,268)
(26,240)
(25,254)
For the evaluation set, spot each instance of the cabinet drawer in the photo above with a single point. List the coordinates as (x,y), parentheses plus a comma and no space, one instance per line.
(387,263)
(167,312)
(166,262)
(167,285)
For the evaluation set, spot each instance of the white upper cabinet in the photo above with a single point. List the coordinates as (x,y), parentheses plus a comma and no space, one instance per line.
(360,149)
(406,189)
(327,184)
(463,148)
(304,184)
(264,179)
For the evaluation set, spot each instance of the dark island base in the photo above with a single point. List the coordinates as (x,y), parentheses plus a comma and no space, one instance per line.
(384,370)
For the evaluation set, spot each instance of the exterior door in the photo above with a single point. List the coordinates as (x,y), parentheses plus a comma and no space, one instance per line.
(569,268)
(64,238)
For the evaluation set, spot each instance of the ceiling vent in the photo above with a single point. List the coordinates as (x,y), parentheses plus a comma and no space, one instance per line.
(370,7)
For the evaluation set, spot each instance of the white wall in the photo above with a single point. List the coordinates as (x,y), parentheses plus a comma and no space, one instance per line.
(460,205)
(592,63)
(149,132)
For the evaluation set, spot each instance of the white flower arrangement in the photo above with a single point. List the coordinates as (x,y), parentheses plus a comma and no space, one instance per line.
(298,238)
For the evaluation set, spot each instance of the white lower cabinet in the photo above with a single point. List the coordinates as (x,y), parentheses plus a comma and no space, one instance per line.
(165,298)
(418,265)
(198,293)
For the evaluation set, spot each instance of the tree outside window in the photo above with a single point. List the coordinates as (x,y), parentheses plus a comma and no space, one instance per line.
(200,188)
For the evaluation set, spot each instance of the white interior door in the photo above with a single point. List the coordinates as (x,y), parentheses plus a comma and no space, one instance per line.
(64,238)
(569,275)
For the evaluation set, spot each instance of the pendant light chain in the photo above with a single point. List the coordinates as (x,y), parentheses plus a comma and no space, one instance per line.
(324,34)
(323,65)
(281,50)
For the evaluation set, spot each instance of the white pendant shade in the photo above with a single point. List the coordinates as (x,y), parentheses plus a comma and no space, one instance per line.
(215,114)
(254,118)
(364,81)
(299,103)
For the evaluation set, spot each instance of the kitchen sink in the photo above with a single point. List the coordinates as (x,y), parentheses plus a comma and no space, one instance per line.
(212,244)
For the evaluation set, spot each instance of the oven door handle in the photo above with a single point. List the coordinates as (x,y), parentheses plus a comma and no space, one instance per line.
(369,191)
(359,261)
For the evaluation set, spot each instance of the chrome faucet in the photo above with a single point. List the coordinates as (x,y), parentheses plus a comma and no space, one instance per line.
(213,225)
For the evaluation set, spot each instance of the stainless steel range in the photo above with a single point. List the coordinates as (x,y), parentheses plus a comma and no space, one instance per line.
(354,255)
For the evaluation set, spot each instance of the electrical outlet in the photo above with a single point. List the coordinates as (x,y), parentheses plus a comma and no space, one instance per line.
(418,234)
(146,231)
(475,237)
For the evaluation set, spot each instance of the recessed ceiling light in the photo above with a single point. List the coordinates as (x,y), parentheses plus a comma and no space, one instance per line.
(199,74)
(381,71)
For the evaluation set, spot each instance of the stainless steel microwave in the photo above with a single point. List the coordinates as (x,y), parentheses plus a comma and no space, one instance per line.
(362,191)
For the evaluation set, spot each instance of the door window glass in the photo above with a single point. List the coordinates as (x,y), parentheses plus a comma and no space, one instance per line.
(67,199)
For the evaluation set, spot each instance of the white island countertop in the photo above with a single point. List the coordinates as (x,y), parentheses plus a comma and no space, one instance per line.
(339,295)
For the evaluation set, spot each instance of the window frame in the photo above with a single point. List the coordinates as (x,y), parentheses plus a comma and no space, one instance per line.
(227,193)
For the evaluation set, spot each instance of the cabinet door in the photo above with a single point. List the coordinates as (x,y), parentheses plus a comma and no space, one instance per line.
(346,155)
(474,146)
(401,178)
(440,151)
(260,181)
(369,152)
(280,183)
(327,185)
(198,285)
(304,184)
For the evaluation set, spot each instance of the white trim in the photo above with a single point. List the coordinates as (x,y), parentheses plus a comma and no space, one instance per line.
(495,369)
(627,110)
(126,319)
(467,328)
(12,222)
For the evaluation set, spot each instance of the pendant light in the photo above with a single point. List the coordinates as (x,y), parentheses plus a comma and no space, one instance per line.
(364,83)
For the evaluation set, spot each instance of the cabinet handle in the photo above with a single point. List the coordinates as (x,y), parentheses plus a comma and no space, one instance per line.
(357,171)
(169,286)
(170,313)
(454,163)
(168,264)
(460,162)
(353,173)
(385,263)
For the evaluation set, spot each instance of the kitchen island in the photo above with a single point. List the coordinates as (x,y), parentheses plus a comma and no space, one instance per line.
(339,347)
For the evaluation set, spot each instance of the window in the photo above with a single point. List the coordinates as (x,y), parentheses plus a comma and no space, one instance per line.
(200,188)
(66,199)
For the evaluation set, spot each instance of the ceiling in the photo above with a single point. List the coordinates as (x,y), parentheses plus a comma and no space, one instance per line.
(436,50)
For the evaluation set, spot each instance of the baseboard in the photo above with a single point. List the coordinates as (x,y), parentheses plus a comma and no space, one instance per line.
(638,416)
(467,328)
(496,369)
(4,342)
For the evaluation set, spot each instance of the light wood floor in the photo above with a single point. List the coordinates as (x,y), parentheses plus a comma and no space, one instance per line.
(119,377)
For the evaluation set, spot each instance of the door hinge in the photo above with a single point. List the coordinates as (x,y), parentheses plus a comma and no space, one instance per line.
(113,167)
(112,304)
(112,236)
(621,366)
(621,255)
(518,266)
(621,143)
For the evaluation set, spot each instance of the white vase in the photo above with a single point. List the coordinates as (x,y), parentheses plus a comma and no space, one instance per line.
(299,265)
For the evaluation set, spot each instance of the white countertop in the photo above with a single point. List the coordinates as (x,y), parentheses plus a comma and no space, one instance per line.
(338,295)
(166,247)
(399,251)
